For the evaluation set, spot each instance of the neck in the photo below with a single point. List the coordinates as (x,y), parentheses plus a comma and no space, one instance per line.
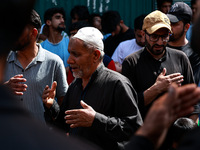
(54,36)
(86,79)
(178,43)
(28,54)
(157,57)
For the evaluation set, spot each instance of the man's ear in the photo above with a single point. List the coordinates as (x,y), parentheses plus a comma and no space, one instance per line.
(187,26)
(34,33)
(97,55)
(48,22)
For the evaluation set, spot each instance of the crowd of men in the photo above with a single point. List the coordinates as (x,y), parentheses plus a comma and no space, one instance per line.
(107,86)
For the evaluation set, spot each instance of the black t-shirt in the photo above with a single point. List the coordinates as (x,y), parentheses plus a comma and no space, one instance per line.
(111,43)
(142,70)
(194,60)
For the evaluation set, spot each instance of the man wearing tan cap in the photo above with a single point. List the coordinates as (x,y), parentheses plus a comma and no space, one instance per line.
(152,69)
(101,104)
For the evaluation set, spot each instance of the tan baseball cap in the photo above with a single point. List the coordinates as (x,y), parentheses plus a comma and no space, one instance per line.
(156,20)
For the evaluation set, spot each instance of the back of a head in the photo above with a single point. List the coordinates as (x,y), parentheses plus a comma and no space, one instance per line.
(181,126)
(51,11)
(35,20)
(81,11)
(177,131)
(160,2)
(138,22)
(110,20)
(78,25)
(13,21)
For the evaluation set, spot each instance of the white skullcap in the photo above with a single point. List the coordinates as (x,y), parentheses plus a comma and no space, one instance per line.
(91,36)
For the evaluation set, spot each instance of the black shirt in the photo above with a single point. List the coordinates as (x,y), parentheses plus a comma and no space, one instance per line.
(194,60)
(111,43)
(142,70)
(112,96)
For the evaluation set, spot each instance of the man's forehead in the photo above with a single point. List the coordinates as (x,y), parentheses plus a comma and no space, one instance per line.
(58,15)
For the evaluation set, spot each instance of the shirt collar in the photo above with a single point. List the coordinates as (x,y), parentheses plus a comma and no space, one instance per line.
(40,56)
(151,57)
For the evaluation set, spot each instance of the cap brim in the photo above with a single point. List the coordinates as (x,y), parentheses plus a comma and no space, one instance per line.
(158,26)
(173,18)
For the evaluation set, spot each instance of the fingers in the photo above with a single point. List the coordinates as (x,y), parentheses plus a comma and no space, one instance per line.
(54,85)
(84,105)
(45,93)
(164,71)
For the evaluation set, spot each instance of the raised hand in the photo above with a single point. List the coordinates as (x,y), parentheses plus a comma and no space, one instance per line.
(49,94)
(16,85)
(80,117)
(163,82)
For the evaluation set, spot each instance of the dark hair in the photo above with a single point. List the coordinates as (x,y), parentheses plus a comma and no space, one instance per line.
(78,25)
(92,18)
(81,11)
(138,22)
(193,2)
(51,11)
(182,126)
(176,132)
(35,20)
(15,21)
(110,20)
(160,2)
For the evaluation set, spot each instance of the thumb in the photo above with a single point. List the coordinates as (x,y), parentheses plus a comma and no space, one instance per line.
(54,85)
(84,105)
(164,71)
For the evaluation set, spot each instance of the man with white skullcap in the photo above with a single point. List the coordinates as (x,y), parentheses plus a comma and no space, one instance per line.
(100,105)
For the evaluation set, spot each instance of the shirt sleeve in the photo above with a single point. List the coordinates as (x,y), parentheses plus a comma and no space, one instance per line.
(60,78)
(127,119)
(116,54)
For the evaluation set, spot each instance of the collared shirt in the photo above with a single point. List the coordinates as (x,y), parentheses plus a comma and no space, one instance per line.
(142,69)
(113,98)
(45,68)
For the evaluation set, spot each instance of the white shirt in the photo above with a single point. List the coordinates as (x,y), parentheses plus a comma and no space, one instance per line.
(124,49)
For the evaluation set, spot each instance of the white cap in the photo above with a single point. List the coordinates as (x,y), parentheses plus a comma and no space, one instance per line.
(91,36)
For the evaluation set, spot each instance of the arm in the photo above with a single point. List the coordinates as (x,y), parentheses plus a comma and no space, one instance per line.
(61,79)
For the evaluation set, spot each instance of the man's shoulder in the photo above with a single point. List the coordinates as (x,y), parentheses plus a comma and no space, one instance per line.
(49,56)
(128,42)
(175,51)
(112,76)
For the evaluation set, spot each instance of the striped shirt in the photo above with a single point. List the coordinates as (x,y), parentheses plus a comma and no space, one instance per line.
(45,68)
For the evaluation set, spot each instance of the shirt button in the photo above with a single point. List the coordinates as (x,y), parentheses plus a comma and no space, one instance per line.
(21,99)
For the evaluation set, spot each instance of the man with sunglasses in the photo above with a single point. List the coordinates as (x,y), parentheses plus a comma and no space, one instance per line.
(152,69)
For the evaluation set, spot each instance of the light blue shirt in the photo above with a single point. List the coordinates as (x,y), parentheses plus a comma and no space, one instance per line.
(45,68)
(60,49)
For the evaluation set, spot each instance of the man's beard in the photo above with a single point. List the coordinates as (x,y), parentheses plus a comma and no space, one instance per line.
(172,37)
(59,28)
(20,47)
(150,48)
(78,74)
